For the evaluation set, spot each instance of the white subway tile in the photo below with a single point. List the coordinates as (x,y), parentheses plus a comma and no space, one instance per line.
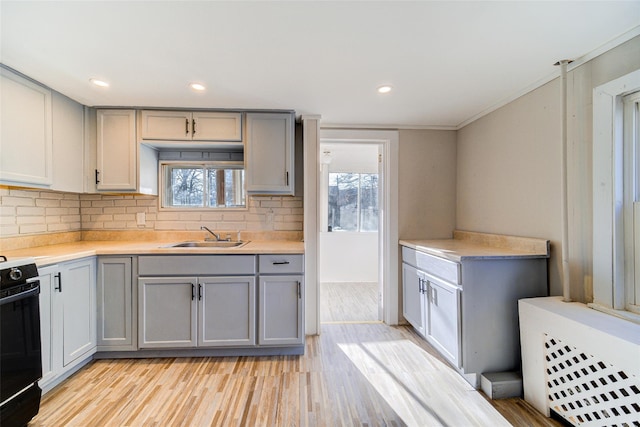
(48,203)
(17,201)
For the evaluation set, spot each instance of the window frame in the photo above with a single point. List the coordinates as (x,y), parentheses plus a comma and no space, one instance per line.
(165,187)
(358,202)
(610,292)
(631,171)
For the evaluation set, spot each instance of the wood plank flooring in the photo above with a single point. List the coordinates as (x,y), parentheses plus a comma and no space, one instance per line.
(348,302)
(351,375)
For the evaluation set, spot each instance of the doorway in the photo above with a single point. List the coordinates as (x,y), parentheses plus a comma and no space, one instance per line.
(350,196)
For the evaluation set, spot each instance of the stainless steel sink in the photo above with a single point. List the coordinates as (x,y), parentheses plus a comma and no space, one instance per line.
(209,244)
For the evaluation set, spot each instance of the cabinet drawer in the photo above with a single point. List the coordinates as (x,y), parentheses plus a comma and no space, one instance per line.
(280,264)
(196,265)
(445,269)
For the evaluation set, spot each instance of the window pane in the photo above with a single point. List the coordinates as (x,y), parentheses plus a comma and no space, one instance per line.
(186,186)
(234,187)
(226,188)
(343,201)
(369,202)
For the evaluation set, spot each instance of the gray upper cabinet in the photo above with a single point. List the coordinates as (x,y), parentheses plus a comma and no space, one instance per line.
(68,144)
(212,126)
(117,157)
(122,164)
(269,153)
(26,140)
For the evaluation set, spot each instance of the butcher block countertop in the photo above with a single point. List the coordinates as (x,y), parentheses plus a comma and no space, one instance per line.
(52,254)
(472,245)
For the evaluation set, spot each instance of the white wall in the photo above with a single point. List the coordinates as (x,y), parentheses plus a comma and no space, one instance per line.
(349,257)
(509,164)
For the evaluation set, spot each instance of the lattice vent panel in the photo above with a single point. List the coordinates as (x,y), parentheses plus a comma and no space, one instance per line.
(587,391)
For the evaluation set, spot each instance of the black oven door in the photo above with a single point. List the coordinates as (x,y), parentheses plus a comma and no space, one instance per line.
(20,358)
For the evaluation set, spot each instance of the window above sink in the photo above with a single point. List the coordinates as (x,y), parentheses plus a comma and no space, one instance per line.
(203,185)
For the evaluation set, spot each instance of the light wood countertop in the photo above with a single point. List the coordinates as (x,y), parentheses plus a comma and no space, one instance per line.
(52,254)
(470,245)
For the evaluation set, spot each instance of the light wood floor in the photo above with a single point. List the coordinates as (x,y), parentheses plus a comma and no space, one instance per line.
(351,375)
(348,302)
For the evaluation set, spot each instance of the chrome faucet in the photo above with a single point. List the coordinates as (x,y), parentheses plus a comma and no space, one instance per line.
(217,236)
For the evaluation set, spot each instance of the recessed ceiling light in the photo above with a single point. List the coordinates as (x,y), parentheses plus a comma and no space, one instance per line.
(197,86)
(384,89)
(99,82)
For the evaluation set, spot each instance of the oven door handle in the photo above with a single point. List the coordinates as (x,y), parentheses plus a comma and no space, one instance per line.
(35,291)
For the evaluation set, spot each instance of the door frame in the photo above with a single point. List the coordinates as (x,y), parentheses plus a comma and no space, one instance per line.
(388,254)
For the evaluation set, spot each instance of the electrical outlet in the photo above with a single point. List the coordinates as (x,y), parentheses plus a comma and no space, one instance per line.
(140,218)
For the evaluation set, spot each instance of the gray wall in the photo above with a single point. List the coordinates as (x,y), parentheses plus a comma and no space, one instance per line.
(427,184)
(509,165)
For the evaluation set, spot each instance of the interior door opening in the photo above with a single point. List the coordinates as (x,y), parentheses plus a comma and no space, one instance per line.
(350,230)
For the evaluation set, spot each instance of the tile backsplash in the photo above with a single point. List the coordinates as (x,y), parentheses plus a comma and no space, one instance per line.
(28,212)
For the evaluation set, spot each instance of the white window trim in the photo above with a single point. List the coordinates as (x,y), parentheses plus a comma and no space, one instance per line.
(608,197)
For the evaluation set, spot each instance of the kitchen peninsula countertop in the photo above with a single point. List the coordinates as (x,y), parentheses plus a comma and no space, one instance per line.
(52,254)
(472,245)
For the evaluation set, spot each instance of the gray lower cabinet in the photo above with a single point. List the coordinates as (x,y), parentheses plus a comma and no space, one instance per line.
(226,311)
(281,300)
(67,318)
(432,306)
(413,301)
(116,304)
(468,310)
(186,312)
(167,312)
(443,317)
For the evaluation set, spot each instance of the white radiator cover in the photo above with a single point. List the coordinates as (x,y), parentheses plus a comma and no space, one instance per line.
(583,364)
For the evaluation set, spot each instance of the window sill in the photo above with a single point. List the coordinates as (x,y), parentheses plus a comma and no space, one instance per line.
(622,314)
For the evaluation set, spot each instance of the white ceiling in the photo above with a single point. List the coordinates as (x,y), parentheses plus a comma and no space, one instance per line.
(448,61)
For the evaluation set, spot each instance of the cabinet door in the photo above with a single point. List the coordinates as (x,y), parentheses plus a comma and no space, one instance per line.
(444,319)
(166,125)
(217,126)
(115,306)
(269,153)
(413,298)
(50,325)
(68,144)
(25,132)
(116,151)
(78,290)
(280,310)
(226,311)
(167,312)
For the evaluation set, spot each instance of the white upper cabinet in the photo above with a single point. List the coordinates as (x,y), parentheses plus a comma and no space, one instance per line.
(26,145)
(68,144)
(116,153)
(191,126)
(269,153)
